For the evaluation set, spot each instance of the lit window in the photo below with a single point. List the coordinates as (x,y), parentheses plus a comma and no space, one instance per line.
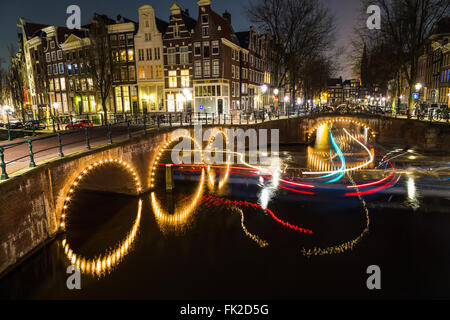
(207,68)
(130,55)
(185,78)
(173,79)
(171,56)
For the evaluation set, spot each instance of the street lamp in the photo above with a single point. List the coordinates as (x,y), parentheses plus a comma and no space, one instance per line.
(418,86)
(264,89)
(276,92)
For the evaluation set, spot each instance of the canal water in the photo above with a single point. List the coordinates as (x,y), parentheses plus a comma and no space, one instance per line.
(230,233)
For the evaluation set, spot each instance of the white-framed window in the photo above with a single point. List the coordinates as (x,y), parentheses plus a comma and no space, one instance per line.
(215,47)
(148,37)
(170,103)
(171,56)
(233,71)
(60,55)
(198,69)
(55,69)
(53,56)
(216,68)
(205,19)
(173,79)
(47,57)
(185,81)
(184,55)
(149,54)
(207,68)
(52,44)
(61,68)
(205,31)
(197,49)
(63,83)
(206,50)
(157,53)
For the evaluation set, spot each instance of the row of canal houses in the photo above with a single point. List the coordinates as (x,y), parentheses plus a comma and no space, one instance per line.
(185,65)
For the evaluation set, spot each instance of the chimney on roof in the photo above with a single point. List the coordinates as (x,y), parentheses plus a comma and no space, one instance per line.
(227,16)
(119,17)
(186,12)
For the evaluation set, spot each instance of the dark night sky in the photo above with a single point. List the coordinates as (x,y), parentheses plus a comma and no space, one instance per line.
(54,12)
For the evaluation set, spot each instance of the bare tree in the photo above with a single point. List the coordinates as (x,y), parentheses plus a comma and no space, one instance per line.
(406,27)
(300,29)
(99,62)
(3,82)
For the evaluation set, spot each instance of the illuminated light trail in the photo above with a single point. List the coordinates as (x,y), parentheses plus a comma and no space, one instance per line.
(222,201)
(255,238)
(256,175)
(341,157)
(349,169)
(347,246)
(105,263)
(376,182)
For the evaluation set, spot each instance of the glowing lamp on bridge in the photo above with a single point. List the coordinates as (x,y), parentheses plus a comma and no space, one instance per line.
(264,89)
(418,86)
(276,92)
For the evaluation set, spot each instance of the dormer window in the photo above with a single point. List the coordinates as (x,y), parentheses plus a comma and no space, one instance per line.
(205,31)
(205,19)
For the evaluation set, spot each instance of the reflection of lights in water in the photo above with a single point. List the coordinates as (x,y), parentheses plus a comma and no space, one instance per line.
(264,197)
(413,199)
(89,170)
(371,158)
(105,263)
(255,238)
(208,200)
(347,246)
(181,216)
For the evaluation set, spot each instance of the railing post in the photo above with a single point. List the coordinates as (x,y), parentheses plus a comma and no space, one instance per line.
(263,115)
(240,118)
(53,121)
(213,116)
(158,120)
(248,119)
(60,147)
(206,118)
(145,124)
(170,120)
(3,164)
(219,118)
(278,114)
(109,134)
(128,129)
(198,118)
(9,132)
(30,147)
(231,118)
(88,144)
(190,119)
(181,119)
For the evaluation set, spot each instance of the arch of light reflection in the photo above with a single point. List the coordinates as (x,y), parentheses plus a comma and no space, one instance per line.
(343,120)
(105,262)
(371,159)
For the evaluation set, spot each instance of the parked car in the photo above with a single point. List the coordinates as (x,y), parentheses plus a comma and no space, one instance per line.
(79,124)
(14,125)
(2,123)
(36,124)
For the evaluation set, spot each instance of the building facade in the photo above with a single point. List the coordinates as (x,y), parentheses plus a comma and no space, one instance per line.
(177,51)
(149,60)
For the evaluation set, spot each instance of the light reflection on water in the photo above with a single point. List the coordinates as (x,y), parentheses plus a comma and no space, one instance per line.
(181,230)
